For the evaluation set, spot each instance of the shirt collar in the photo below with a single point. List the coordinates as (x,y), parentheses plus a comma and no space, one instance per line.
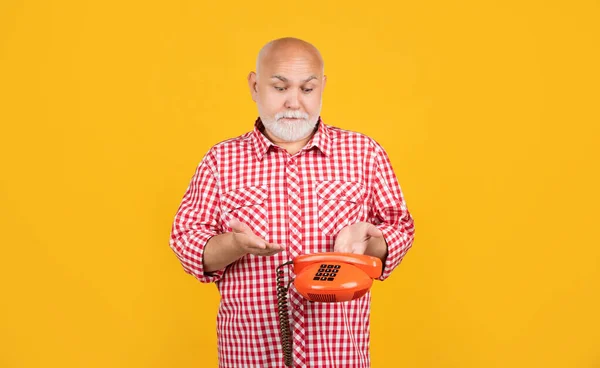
(321,139)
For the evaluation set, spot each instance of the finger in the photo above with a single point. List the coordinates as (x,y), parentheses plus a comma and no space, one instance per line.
(339,245)
(265,252)
(257,245)
(273,248)
(342,248)
(256,242)
(277,247)
(239,227)
(235,225)
(359,247)
(373,231)
(270,253)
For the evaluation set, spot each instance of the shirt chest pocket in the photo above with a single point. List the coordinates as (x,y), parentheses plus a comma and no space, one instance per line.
(247,205)
(339,204)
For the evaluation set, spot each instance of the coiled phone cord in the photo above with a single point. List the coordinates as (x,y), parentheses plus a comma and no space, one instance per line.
(284,317)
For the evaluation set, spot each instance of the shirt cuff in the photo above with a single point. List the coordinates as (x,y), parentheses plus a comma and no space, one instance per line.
(397,246)
(190,251)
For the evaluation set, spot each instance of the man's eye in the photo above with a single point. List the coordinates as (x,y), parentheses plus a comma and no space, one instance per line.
(280,89)
(307,90)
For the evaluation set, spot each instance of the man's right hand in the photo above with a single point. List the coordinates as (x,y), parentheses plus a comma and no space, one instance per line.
(223,249)
(250,243)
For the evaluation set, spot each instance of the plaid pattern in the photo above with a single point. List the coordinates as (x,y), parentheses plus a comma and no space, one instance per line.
(300,201)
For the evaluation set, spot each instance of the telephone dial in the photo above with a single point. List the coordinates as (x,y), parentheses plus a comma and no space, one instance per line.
(326,278)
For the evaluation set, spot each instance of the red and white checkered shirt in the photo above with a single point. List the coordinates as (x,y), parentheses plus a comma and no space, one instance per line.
(301,201)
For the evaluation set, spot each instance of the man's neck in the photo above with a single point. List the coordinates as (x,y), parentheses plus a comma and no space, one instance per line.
(291,147)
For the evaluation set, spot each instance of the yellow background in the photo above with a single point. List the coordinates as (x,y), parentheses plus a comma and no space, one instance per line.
(488,110)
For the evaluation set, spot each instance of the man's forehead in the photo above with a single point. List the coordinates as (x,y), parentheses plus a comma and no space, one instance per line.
(284,61)
(292,70)
(283,78)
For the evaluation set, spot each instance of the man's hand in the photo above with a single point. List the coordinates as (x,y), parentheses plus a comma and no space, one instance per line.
(361,238)
(248,242)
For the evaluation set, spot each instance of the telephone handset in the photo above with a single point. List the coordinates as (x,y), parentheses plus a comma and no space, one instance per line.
(324,277)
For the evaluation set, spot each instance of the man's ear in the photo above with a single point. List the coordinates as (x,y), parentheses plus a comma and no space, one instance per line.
(252,85)
(324,81)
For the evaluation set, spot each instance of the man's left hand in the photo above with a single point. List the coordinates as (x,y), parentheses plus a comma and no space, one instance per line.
(358,238)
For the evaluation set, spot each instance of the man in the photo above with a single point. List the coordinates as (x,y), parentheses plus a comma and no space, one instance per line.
(291,186)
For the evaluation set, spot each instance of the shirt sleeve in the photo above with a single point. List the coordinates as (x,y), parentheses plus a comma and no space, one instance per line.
(389,211)
(197,220)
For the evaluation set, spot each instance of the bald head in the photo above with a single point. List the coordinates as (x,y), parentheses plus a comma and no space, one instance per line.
(288,88)
(287,49)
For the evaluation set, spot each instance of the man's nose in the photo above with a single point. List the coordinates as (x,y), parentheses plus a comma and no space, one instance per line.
(292,100)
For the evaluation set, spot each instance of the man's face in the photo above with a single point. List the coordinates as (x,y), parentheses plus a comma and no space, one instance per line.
(288,93)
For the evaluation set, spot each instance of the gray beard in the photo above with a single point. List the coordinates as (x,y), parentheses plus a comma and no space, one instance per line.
(290,131)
